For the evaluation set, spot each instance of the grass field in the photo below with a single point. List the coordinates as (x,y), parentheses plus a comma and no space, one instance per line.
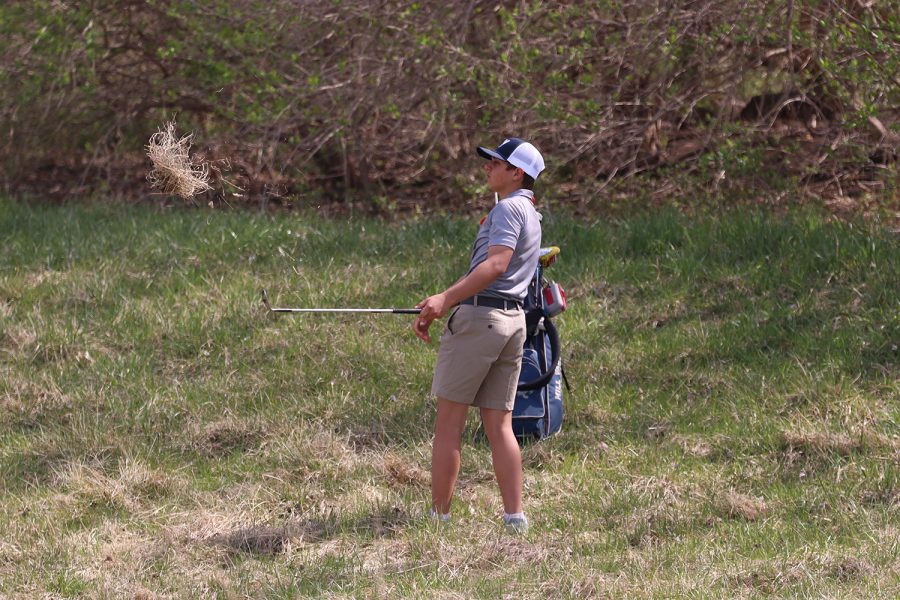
(733,428)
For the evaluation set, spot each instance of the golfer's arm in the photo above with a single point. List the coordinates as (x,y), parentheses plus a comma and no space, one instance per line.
(481,276)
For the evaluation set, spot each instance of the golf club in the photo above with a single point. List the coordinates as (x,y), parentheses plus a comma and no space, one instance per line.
(402,311)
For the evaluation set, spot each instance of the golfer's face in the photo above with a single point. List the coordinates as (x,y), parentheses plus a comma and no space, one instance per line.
(499,174)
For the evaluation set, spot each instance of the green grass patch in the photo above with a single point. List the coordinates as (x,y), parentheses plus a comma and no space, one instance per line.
(732,428)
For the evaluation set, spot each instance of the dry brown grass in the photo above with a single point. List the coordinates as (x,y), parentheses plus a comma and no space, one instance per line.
(27,401)
(174,172)
(888,496)
(694,445)
(128,487)
(309,452)
(225,435)
(270,540)
(400,471)
(114,559)
(734,504)
(537,457)
(826,442)
(661,506)
(15,340)
(491,554)
(35,278)
(771,577)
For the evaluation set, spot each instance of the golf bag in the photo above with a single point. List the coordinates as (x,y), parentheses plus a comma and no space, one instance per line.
(538,409)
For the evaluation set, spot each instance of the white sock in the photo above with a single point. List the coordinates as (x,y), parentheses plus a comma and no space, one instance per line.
(507,517)
(436,515)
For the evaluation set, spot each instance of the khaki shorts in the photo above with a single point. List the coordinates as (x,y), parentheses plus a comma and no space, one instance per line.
(480,357)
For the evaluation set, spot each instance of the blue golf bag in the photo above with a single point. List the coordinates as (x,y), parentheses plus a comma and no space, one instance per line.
(538,409)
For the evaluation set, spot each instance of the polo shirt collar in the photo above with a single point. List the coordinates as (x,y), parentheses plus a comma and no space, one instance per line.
(522,192)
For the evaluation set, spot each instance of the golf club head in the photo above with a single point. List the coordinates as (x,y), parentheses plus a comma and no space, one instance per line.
(265,300)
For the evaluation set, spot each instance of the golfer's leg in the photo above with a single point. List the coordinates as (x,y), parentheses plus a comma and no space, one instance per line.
(506,456)
(448,428)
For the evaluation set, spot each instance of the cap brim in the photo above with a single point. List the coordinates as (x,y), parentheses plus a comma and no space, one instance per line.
(486,153)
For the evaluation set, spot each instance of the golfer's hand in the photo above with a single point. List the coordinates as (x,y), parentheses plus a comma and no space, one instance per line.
(420,328)
(433,307)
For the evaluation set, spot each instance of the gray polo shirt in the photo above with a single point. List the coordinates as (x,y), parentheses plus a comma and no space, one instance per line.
(514,223)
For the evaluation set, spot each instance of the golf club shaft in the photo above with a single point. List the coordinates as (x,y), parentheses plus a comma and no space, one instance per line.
(404,311)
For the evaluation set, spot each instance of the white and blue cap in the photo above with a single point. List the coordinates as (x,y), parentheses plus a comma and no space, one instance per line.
(518,153)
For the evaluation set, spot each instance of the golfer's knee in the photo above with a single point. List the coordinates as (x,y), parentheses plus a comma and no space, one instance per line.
(451,417)
(448,431)
(497,430)
(448,434)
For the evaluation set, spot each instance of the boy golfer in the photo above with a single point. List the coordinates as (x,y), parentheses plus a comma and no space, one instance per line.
(481,348)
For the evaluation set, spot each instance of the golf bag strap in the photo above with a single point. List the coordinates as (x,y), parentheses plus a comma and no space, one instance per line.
(532,321)
(544,379)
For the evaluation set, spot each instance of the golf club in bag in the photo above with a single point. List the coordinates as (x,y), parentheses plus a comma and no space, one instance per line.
(538,409)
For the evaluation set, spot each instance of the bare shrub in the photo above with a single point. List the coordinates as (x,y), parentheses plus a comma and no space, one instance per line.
(365,99)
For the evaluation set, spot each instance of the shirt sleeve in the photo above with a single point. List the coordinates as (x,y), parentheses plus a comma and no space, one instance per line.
(507,222)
